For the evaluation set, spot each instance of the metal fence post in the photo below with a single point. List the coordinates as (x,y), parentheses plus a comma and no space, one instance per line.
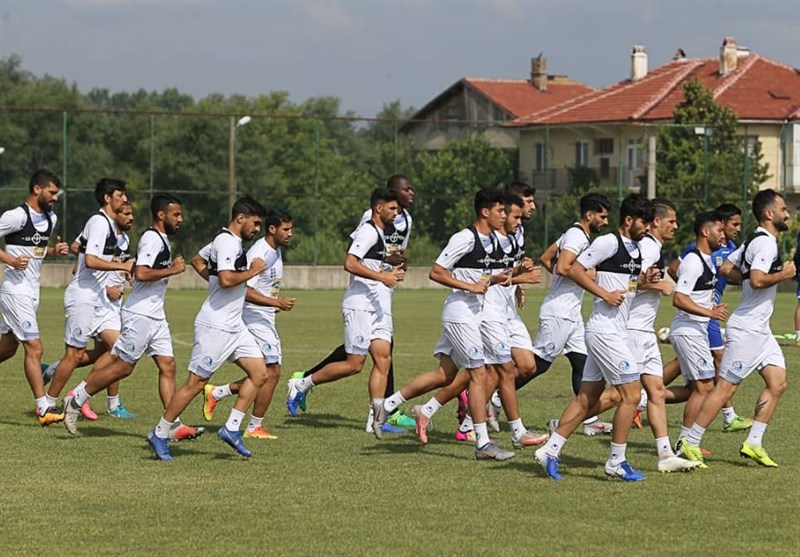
(64,175)
(316,191)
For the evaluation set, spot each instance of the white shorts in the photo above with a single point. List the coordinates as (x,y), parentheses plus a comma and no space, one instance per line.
(749,351)
(694,356)
(106,318)
(558,336)
(142,335)
(362,327)
(266,336)
(644,346)
(79,318)
(213,347)
(609,358)
(19,317)
(463,343)
(520,337)
(496,338)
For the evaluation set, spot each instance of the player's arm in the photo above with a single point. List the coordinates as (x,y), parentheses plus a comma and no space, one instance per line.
(442,276)
(731,272)
(200,265)
(145,273)
(75,247)
(98,264)
(760,279)
(684,302)
(534,276)
(581,276)
(549,256)
(354,266)
(10,223)
(255,297)
(672,268)
(229,278)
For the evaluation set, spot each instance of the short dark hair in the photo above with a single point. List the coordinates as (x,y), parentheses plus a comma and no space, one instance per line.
(107,186)
(487,198)
(636,206)
(727,211)
(248,207)
(662,206)
(594,202)
(514,200)
(396,180)
(381,195)
(41,178)
(162,201)
(705,218)
(276,217)
(520,189)
(762,200)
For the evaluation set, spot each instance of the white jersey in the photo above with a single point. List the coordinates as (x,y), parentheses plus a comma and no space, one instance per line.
(565,297)
(696,279)
(396,235)
(499,300)
(100,235)
(222,308)
(266,283)
(147,297)
(644,306)
(26,233)
(617,263)
(468,261)
(757,304)
(369,246)
(117,278)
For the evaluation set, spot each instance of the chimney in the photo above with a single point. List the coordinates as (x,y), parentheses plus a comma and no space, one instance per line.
(679,56)
(638,63)
(539,72)
(728,54)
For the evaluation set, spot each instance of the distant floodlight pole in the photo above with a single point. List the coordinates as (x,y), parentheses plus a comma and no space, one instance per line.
(243,121)
(706,132)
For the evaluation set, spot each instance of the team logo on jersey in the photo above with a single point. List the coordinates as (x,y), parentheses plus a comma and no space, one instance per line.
(737,366)
(360,340)
(550,348)
(718,261)
(130,347)
(266,348)
(486,260)
(207,361)
(27,325)
(624,366)
(77,331)
(702,363)
(631,266)
(394,238)
(501,348)
(474,351)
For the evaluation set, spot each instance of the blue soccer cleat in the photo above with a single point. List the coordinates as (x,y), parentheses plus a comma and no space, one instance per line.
(295,398)
(122,413)
(389,428)
(234,439)
(624,472)
(160,446)
(549,463)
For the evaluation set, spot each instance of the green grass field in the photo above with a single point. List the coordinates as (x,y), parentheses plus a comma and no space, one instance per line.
(325,487)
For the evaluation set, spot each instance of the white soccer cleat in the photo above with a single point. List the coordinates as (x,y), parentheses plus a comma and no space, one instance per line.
(676,464)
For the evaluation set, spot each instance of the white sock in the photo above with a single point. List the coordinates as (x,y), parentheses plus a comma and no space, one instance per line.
(695,435)
(113,403)
(617,453)
(431,407)
(797,335)
(81,397)
(517,429)
(482,435)
(684,431)
(254,423)
(234,420)
(756,433)
(728,414)
(663,447)
(496,400)
(51,400)
(466,426)
(220,392)
(589,421)
(42,405)
(163,428)
(305,384)
(393,402)
(555,444)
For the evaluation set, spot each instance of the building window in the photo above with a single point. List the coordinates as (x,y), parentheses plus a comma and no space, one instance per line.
(604,146)
(605,168)
(634,154)
(541,159)
(581,154)
(750,142)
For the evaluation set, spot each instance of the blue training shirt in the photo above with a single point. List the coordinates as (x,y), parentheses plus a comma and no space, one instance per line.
(718,257)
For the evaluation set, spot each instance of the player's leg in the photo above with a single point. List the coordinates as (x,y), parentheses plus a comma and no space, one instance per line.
(339,354)
(731,422)
(255,427)
(381,352)
(8,345)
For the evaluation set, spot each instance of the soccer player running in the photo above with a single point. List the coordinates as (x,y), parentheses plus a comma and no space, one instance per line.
(617,262)
(750,345)
(144,324)
(367,311)
(695,300)
(397,235)
(642,336)
(27,230)
(466,266)
(262,303)
(220,334)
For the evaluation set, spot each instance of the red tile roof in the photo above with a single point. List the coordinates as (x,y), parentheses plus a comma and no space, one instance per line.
(518,97)
(758,89)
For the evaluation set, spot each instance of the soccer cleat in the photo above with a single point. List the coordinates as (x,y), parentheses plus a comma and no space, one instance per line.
(597,427)
(468,436)
(389,428)
(491,417)
(209,402)
(463,406)
(490,451)
(530,438)
(401,419)
(294,398)
(758,454)
(690,452)
(122,413)
(86,410)
(549,463)
(50,416)
(71,414)
(623,471)
(185,432)
(737,424)
(379,417)
(234,439)
(259,433)
(422,422)
(159,445)
(676,464)
(300,375)
(637,419)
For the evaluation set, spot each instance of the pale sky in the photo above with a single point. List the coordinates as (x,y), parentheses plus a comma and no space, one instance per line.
(369,53)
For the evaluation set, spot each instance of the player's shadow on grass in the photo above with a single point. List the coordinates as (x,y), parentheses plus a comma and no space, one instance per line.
(323,421)
(97,431)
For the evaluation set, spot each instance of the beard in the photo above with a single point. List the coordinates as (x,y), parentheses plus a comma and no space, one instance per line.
(782,225)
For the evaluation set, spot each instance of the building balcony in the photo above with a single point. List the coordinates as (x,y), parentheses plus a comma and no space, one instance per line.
(558,180)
